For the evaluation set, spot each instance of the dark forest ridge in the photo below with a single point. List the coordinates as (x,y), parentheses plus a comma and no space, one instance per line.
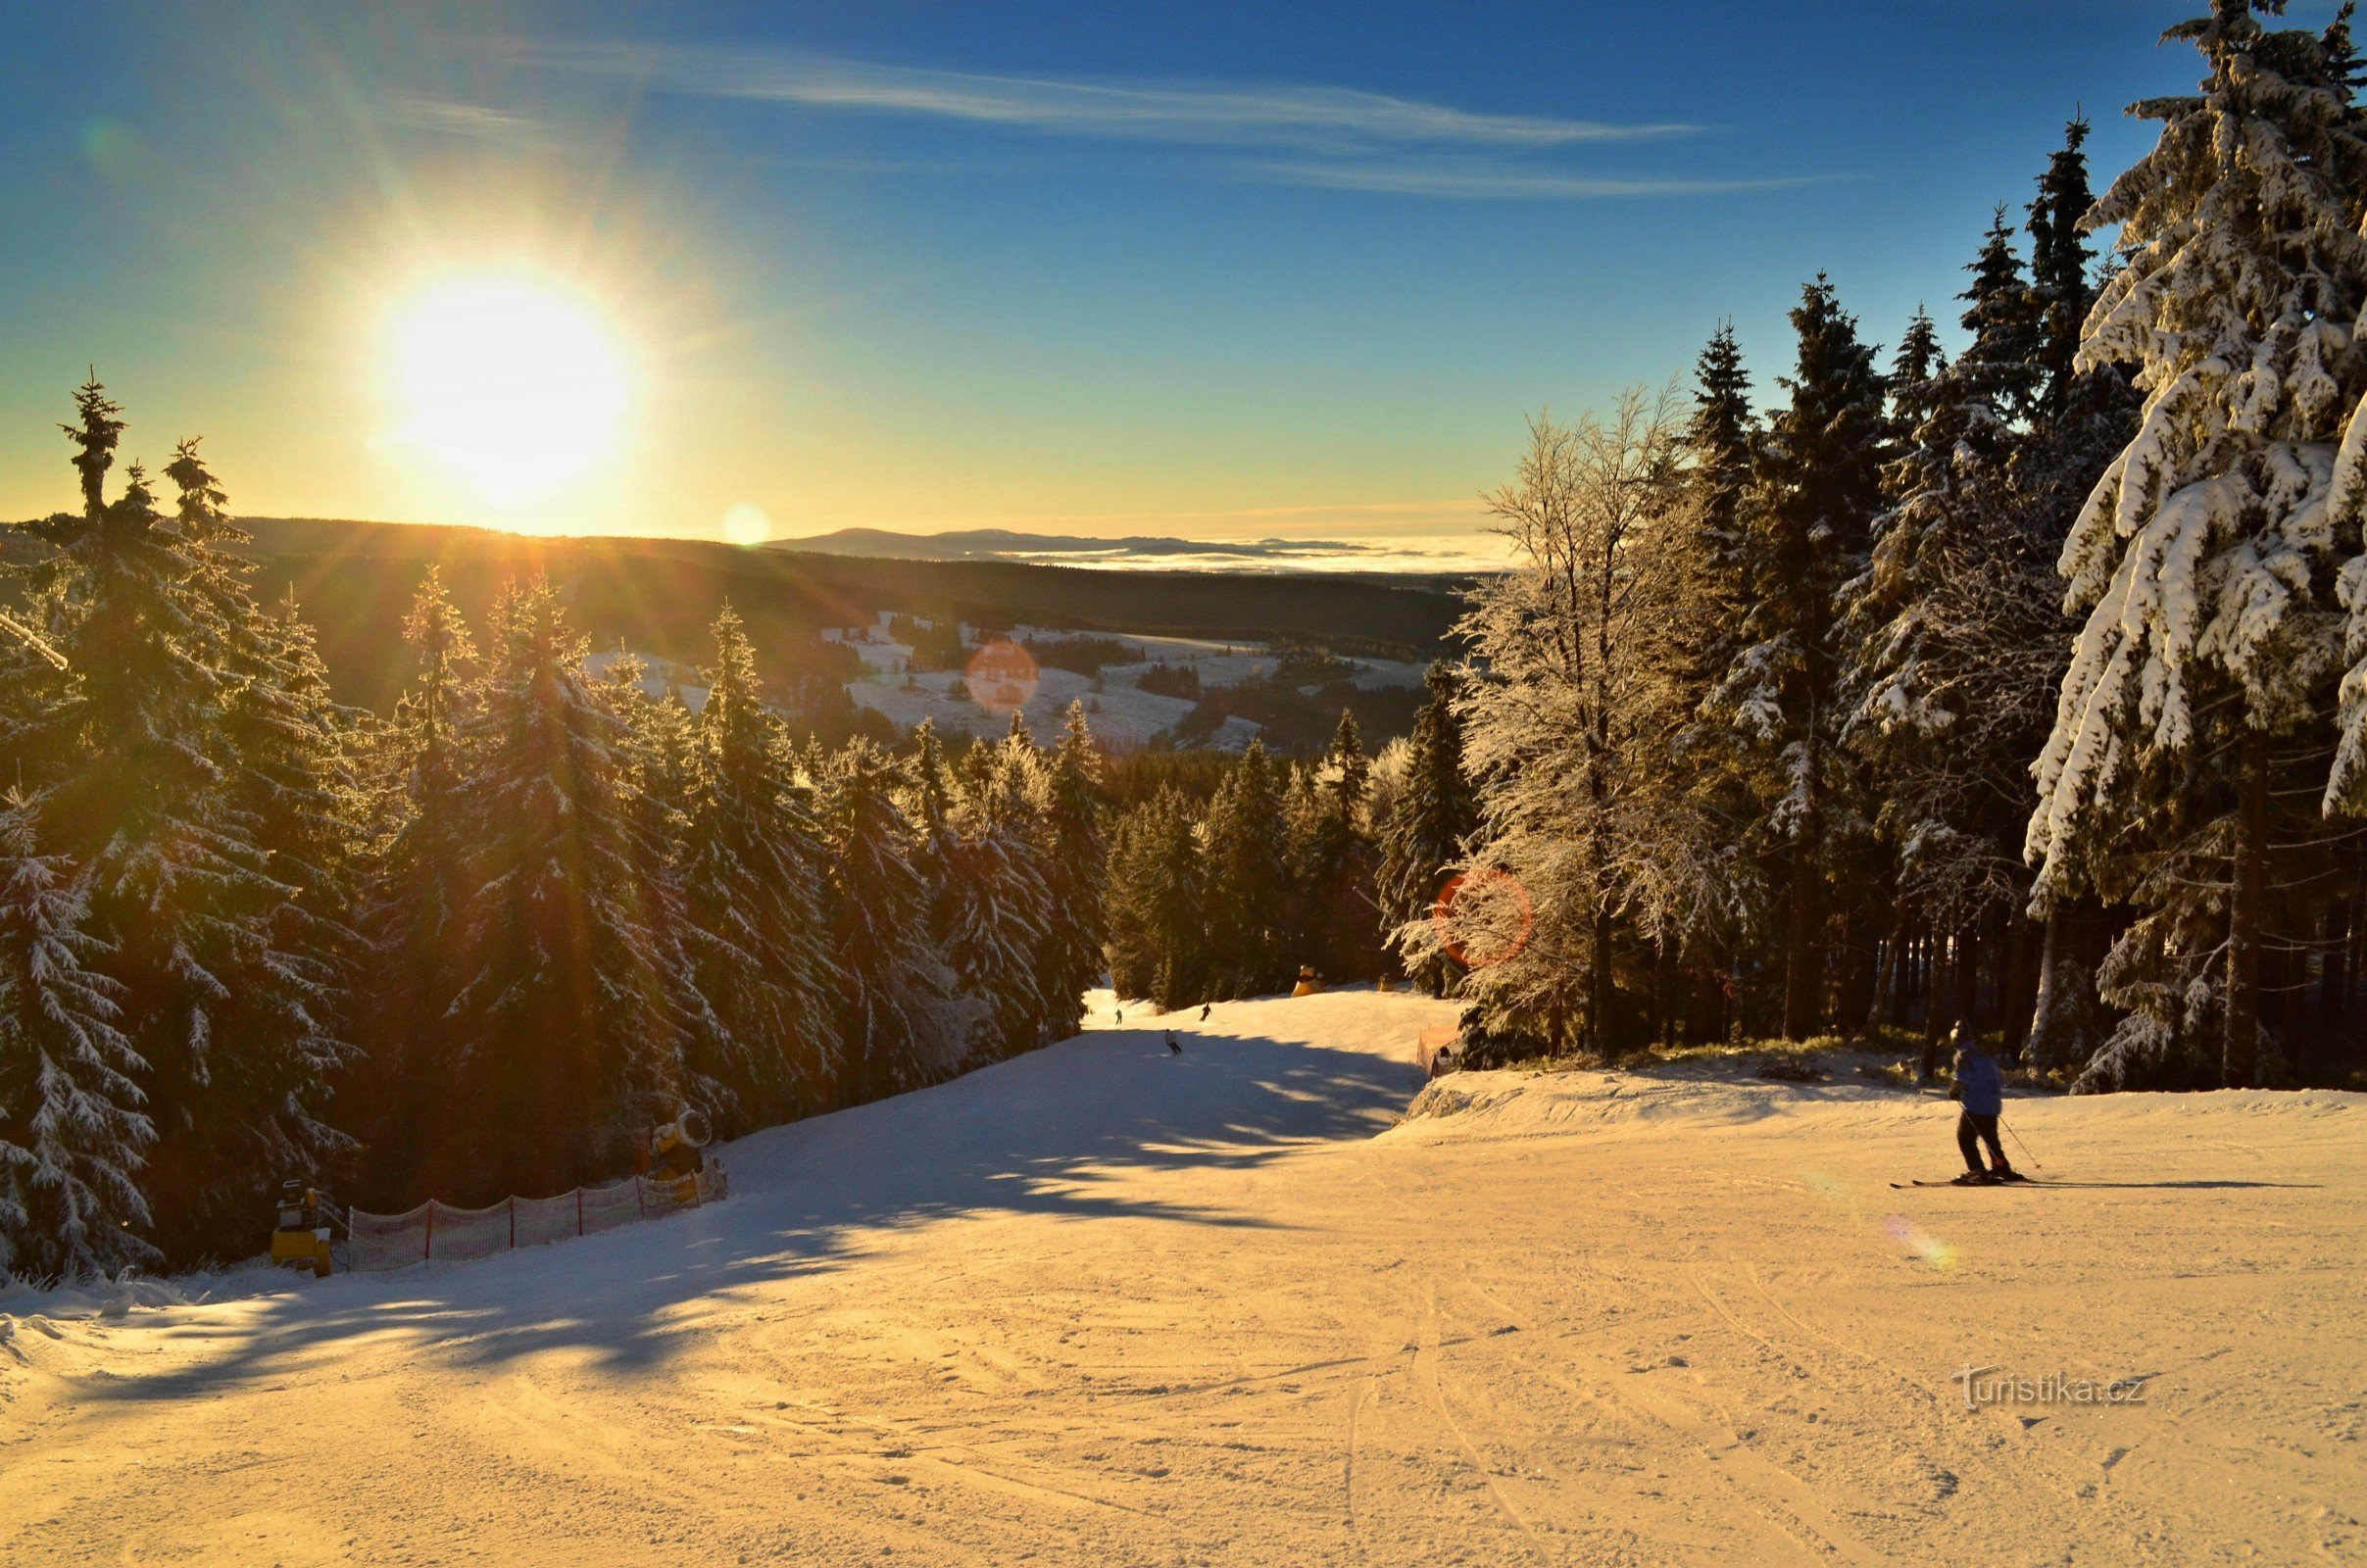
(662,595)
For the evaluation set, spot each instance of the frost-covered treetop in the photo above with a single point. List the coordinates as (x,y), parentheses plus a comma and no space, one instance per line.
(2244,272)
(2209,540)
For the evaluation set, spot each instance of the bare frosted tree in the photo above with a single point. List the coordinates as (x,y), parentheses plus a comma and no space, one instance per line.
(1571,717)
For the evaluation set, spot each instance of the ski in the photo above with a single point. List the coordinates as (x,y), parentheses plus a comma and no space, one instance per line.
(2012,1181)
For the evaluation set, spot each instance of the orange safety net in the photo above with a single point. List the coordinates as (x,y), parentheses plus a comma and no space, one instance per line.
(435,1232)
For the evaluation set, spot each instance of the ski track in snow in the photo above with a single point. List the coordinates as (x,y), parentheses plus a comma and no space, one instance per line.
(1102,1305)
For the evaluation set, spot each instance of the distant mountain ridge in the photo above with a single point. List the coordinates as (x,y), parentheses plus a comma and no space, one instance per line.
(1003,544)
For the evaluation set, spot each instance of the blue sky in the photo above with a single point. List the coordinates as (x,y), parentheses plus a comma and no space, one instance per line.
(1210,269)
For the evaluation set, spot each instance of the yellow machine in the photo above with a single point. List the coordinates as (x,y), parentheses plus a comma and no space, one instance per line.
(1308,984)
(674,1149)
(302,1239)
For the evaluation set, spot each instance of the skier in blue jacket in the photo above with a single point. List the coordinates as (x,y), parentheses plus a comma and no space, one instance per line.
(1982,1089)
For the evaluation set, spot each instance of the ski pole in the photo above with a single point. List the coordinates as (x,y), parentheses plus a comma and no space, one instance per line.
(2019,1144)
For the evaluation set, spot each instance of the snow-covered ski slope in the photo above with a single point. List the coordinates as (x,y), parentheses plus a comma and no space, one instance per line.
(1104,1305)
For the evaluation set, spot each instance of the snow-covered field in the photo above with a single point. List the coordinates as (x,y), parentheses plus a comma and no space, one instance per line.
(1105,1305)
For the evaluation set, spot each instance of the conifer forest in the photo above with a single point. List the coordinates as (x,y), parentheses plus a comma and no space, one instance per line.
(1840,686)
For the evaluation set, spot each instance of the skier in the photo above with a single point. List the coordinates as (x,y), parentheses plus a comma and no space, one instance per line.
(1175,1046)
(1204,1011)
(1981,1087)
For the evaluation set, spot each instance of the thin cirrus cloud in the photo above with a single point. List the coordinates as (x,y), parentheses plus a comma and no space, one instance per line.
(1333,137)
(1402,178)
(452,117)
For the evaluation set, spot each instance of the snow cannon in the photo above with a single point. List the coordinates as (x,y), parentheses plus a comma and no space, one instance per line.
(674,1149)
(301,1240)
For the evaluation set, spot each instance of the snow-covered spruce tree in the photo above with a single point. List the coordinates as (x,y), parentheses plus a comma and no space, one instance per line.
(1569,731)
(989,910)
(657,779)
(1707,566)
(900,1021)
(1333,859)
(2086,414)
(1250,908)
(1075,872)
(575,1005)
(1430,821)
(1816,488)
(144,790)
(1159,941)
(409,909)
(1005,812)
(71,1133)
(2207,561)
(1719,443)
(1953,633)
(753,871)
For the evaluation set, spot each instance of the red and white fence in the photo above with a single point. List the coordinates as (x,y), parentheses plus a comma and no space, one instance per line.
(437,1232)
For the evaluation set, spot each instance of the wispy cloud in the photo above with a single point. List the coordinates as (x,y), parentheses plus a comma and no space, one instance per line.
(1334,138)
(458,118)
(1316,119)
(1402,178)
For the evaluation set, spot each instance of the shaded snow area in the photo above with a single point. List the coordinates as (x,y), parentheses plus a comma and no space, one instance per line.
(1109,1306)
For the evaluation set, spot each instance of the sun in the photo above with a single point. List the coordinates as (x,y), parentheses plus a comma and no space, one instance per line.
(513,384)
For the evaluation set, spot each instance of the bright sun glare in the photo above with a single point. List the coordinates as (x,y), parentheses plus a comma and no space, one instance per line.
(513,384)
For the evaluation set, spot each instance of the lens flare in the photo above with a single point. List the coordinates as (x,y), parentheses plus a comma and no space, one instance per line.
(745,523)
(1933,1251)
(1483,917)
(1002,677)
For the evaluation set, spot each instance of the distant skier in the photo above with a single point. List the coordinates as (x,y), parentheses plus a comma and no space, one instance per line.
(1982,1089)
(1175,1046)
(1204,1011)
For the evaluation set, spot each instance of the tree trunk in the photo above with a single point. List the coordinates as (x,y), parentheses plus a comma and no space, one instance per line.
(1803,956)
(2021,984)
(1964,1006)
(1859,970)
(1934,1023)
(2334,981)
(2239,1058)
(1889,981)
(2060,1025)
(1598,987)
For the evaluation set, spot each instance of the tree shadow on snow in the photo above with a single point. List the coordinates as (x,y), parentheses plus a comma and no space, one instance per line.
(1054,1132)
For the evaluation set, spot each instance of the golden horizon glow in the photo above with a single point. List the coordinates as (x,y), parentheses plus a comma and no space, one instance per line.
(513,384)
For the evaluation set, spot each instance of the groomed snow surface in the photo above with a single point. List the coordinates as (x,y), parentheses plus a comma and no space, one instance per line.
(1109,1306)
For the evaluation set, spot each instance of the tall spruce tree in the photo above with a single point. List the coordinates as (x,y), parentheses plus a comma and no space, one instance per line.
(72,1132)
(410,908)
(899,1019)
(1430,824)
(753,873)
(1075,871)
(1249,887)
(2086,414)
(1159,930)
(2210,560)
(1815,491)
(576,1006)
(1951,632)
(1333,859)
(127,741)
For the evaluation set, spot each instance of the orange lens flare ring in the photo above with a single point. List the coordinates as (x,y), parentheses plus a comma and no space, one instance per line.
(1000,676)
(1483,917)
